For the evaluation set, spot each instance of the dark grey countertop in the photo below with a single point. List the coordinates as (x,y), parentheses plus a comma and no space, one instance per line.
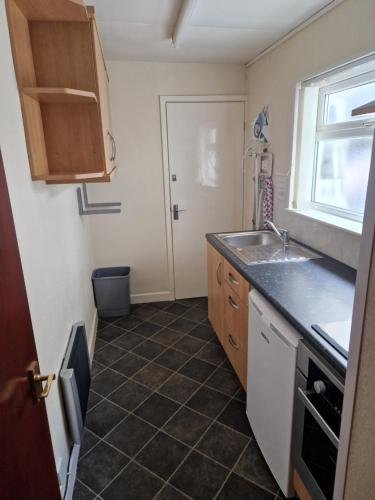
(306,293)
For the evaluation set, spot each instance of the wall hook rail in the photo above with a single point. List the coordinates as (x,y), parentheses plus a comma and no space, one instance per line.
(87,208)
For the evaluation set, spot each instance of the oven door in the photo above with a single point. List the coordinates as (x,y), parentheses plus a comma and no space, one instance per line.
(315,445)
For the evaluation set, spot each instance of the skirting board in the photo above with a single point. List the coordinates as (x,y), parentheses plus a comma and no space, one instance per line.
(141,298)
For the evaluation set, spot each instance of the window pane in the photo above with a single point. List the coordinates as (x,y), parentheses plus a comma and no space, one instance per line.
(342,172)
(340,104)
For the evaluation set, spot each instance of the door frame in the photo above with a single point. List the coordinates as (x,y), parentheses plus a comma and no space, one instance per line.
(163,101)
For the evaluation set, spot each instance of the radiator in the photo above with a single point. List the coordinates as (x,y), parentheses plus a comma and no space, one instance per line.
(75,377)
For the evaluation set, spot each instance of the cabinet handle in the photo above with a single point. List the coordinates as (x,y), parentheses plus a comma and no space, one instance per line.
(232,279)
(218,274)
(111,138)
(232,303)
(233,343)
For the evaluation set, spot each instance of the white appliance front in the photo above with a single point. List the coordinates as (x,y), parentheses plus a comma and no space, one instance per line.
(272,354)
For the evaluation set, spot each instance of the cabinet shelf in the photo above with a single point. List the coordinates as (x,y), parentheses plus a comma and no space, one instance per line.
(79,178)
(60,95)
(56,10)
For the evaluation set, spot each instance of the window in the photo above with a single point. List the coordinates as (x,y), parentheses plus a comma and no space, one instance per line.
(332,147)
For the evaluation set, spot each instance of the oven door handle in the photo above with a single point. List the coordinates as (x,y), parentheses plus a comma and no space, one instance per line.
(317,416)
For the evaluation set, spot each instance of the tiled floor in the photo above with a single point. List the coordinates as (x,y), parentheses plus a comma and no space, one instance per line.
(167,414)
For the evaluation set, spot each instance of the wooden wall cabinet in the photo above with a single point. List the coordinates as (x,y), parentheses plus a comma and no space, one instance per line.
(59,68)
(228,310)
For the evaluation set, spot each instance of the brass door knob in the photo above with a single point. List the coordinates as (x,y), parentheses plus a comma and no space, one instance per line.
(38,391)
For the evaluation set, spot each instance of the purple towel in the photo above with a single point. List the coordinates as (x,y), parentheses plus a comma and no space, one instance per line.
(267,185)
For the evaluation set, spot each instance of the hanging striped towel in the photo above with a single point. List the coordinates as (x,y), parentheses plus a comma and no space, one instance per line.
(267,185)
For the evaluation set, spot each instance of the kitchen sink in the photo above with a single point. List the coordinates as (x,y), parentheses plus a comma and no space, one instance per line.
(264,247)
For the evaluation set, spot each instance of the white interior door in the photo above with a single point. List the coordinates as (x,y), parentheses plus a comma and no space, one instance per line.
(205,148)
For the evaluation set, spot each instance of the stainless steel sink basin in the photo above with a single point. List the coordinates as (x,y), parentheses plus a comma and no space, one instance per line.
(261,247)
(250,238)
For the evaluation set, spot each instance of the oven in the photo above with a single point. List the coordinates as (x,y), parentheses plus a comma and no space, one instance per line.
(317,422)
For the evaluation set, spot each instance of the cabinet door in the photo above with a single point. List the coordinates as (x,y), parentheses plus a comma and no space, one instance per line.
(102,78)
(215,264)
(235,332)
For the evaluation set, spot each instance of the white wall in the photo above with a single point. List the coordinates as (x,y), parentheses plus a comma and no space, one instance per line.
(137,237)
(343,34)
(54,244)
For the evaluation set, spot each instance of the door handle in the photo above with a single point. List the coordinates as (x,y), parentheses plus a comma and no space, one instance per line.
(38,391)
(176,210)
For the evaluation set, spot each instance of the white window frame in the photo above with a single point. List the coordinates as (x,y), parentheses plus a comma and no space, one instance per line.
(310,129)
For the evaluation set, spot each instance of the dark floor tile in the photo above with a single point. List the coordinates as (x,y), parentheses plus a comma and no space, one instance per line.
(224,381)
(234,415)
(222,444)
(179,388)
(110,333)
(177,309)
(107,381)
(100,466)
(128,341)
(129,364)
(81,492)
(208,402)
(162,305)
(170,493)
(197,370)
(241,395)
(130,395)
(108,355)
(226,365)
(162,318)
(187,426)
(203,304)
(199,477)
(149,349)
(195,314)
(102,324)
(190,345)
(182,325)
(212,353)
(153,375)
(89,440)
(157,409)
(144,311)
(96,368)
(134,483)
(162,455)
(189,302)
(99,343)
(202,332)
(237,488)
(167,337)
(253,467)
(147,329)
(128,323)
(172,359)
(131,435)
(104,417)
(94,399)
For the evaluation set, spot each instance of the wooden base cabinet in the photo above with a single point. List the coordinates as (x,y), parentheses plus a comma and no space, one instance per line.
(228,309)
(215,266)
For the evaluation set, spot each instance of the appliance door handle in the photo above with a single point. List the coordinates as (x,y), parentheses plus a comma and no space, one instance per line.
(319,419)
(232,279)
(232,303)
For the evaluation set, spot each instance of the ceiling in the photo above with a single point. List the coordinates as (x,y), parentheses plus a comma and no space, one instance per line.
(220,31)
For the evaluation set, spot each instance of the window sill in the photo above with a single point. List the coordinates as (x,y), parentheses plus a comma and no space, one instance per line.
(330,220)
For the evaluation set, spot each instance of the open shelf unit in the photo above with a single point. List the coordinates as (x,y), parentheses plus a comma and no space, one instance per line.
(56,69)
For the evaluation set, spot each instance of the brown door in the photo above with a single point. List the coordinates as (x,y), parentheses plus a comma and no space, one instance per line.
(27,467)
